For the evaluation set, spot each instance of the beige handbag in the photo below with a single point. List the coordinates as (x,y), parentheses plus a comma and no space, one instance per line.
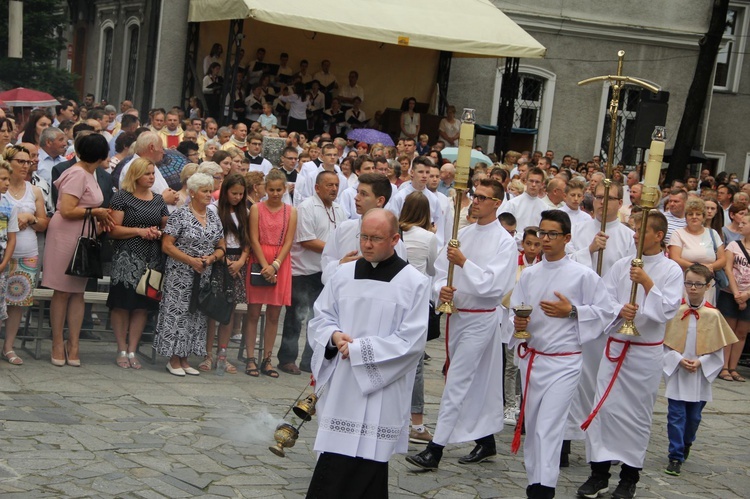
(150,284)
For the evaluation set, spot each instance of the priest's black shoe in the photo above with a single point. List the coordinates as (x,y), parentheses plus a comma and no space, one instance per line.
(479,454)
(427,460)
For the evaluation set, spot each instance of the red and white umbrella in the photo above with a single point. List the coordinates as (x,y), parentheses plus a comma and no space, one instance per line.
(25,97)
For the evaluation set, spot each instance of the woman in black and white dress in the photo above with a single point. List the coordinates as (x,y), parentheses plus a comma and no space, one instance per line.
(192,240)
(139,217)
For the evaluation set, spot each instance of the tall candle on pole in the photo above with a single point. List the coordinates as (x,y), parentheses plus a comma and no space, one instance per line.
(463,166)
(649,200)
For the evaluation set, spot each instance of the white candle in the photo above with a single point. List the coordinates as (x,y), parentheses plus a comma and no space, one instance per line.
(653,166)
(463,160)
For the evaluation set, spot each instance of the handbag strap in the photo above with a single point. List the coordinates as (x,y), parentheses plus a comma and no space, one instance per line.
(283,230)
(87,219)
(742,247)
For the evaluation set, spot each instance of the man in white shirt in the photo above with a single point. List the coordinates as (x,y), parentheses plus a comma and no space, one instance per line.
(347,93)
(629,183)
(326,78)
(526,207)
(555,198)
(52,146)
(149,146)
(317,217)
(306,178)
(675,212)
(64,111)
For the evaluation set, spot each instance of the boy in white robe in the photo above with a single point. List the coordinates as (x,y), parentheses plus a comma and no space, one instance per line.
(573,198)
(619,427)
(586,239)
(527,207)
(571,307)
(368,334)
(485,267)
(693,356)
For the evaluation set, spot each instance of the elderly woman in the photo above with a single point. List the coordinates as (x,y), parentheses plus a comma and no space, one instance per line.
(78,195)
(28,202)
(696,243)
(192,240)
(209,149)
(215,171)
(139,215)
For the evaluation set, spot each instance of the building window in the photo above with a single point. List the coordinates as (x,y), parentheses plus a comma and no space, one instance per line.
(528,105)
(729,58)
(626,114)
(108,41)
(132,60)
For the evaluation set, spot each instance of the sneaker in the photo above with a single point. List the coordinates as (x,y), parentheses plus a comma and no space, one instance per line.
(510,416)
(594,486)
(673,468)
(420,437)
(624,490)
(236,338)
(427,358)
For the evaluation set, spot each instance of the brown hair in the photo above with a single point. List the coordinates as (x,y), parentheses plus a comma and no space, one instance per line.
(416,212)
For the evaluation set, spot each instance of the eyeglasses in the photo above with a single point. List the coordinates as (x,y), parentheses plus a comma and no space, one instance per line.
(696,285)
(541,234)
(371,239)
(23,161)
(218,177)
(291,158)
(482,199)
(601,198)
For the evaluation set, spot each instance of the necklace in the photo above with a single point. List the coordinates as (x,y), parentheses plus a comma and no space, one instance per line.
(331,219)
(198,215)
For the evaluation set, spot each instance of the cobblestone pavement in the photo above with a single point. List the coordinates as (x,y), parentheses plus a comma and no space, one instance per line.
(102,431)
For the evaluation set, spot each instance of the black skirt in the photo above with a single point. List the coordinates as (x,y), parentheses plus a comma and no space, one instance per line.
(126,298)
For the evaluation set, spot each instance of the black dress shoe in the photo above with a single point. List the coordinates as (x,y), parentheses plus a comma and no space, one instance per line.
(427,460)
(88,335)
(479,454)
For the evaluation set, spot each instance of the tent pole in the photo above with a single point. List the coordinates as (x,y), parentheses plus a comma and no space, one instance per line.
(230,70)
(190,72)
(443,76)
(506,109)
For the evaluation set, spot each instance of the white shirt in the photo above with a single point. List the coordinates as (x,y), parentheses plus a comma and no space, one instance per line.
(576,216)
(351,92)
(305,185)
(527,209)
(314,221)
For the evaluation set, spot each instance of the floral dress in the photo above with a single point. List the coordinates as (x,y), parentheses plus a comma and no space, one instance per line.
(179,332)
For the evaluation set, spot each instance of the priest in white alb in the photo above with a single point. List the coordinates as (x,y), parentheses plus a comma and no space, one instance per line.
(485,268)
(368,334)
(571,306)
(619,426)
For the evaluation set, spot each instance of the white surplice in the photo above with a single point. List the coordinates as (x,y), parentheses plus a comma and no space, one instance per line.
(621,429)
(364,410)
(554,378)
(472,402)
(684,385)
(576,216)
(344,240)
(620,244)
(527,210)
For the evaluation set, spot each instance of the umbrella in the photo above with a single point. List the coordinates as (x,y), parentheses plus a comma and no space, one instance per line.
(695,156)
(171,166)
(25,97)
(3,104)
(370,136)
(451,153)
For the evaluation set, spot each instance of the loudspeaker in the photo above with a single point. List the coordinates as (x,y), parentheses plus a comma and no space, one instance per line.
(651,112)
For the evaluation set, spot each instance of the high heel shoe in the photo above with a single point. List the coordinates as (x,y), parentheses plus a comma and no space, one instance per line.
(69,361)
(55,362)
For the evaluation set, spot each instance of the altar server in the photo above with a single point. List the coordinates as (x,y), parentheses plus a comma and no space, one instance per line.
(630,370)
(368,334)
(485,268)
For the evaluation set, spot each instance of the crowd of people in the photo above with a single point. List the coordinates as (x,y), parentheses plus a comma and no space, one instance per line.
(292,233)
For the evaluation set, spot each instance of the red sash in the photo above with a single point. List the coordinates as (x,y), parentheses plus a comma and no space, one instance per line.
(523,352)
(620,359)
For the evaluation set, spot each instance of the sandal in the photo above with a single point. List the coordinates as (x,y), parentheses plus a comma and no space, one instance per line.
(727,376)
(252,371)
(736,376)
(267,369)
(12,358)
(206,365)
(230,368)
(122,360)
(133,361)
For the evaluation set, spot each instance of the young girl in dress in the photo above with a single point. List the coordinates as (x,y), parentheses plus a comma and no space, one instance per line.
(272,227)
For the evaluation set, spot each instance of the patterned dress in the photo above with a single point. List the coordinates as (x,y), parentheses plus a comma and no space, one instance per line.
(178,332)
(132,255)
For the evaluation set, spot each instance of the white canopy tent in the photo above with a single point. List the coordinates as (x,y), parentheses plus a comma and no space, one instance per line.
(467,28)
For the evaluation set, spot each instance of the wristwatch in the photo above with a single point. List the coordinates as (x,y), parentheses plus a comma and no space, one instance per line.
(573,313)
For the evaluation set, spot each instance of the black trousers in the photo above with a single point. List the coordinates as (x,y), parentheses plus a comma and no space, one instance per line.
(344,477)
(305,290)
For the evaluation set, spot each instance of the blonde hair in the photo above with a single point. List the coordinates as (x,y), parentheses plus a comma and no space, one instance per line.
(187,172)
(5,165)
(695,205)
(517,185)
(234,151)
(136,170)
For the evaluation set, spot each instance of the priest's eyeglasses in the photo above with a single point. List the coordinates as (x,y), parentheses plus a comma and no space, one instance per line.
(371,239)
(696,285)
(482,199)
(552,235)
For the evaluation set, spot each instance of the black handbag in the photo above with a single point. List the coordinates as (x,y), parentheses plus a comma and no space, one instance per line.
(87,257)
(433,325)
(215,299)
(256,279)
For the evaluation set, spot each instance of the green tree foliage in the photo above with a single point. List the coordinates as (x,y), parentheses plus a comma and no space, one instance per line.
(43,20)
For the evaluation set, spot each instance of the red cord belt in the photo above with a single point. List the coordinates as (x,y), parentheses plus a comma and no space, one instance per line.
(523,352)
(619,359)
(448,328)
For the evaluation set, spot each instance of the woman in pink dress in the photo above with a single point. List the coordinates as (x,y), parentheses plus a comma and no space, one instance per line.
(78,193)
(272,227)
